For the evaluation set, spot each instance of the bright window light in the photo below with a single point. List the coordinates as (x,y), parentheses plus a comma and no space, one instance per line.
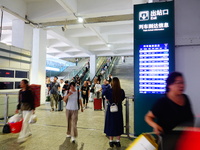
(52,69)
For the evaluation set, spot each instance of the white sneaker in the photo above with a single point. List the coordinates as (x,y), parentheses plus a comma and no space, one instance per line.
(68,136)
(73,139)
(21,140)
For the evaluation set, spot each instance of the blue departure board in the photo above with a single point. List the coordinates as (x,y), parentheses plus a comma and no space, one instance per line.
(153,68)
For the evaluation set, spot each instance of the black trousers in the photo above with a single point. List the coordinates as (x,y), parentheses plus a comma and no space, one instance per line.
(85,99)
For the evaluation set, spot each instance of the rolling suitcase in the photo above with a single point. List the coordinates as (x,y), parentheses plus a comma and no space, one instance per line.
(97,104)
(60,105)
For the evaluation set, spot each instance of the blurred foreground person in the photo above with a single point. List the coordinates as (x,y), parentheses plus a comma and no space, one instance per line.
(26,106)
(171,111)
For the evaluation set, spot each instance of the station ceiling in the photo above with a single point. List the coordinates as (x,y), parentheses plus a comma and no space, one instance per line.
(106,30)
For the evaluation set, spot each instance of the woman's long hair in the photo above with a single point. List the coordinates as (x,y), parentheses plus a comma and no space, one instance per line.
(117,93)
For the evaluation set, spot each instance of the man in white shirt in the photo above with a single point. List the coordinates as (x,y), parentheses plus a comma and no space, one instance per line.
(97,89)
(61,86)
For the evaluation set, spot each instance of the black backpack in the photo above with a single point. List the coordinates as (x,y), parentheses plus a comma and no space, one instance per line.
(6,128)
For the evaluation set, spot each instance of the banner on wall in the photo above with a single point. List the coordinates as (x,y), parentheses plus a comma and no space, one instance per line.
(153,56)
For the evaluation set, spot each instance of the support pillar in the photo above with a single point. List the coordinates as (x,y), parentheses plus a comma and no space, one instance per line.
(38,66)
(92,66)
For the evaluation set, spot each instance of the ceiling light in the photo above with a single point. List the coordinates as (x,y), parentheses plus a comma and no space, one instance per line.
(80,19)
(108,45)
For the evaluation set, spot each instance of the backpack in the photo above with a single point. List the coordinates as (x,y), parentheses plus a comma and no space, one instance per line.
(6,128)
(35,88)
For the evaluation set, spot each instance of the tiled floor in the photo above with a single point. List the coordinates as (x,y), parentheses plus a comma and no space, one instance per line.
(49,133)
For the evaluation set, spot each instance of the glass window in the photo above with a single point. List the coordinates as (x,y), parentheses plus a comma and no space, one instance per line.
(17,85)
(6,85)
(21,74)
(7,73)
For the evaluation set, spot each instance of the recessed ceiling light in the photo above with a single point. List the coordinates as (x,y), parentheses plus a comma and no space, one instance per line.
(80,19)
(108,45)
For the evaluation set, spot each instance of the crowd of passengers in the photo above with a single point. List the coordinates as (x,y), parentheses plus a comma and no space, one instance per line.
(72,94)
(76,97)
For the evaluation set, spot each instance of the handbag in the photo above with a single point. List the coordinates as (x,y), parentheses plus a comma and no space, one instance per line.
(6,128)
(113,108)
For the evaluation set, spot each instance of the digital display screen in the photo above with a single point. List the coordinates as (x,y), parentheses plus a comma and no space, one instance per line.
(153,68)
(7,73)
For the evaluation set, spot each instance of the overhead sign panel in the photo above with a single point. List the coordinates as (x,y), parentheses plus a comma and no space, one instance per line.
(153,20)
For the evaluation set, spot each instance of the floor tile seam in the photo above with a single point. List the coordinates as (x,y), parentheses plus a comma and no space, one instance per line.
(65,127)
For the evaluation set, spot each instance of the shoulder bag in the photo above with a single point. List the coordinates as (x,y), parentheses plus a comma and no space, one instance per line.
(113,107)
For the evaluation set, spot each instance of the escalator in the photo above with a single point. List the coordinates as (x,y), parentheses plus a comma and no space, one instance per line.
(109,69)
(100,62)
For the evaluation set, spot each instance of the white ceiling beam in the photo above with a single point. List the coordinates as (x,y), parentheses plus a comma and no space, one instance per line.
(117,29)
(104,20)
(73,42)
(69,5)
(96,8)
(92,40)
(121,38)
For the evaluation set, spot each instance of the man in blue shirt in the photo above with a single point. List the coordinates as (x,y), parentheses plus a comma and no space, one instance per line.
(104,87)
(54,88)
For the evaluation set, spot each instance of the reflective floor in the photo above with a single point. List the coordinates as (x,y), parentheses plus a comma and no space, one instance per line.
(49,133)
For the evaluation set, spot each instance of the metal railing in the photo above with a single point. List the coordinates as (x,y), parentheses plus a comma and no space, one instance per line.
(108,70)
(8,102)
(111,66)
(100,63)
(127,115)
